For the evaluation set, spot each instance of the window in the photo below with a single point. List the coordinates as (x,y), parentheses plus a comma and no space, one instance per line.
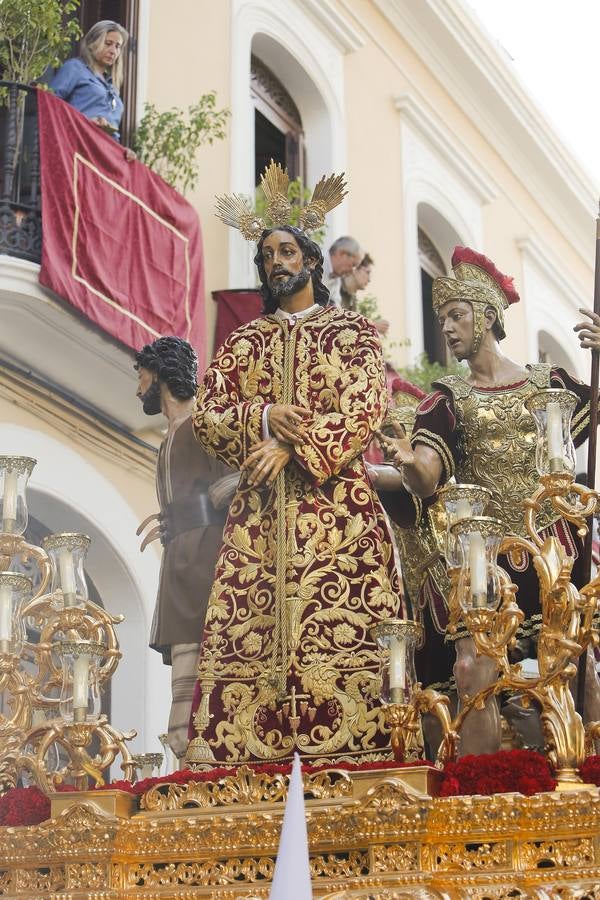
(278,131)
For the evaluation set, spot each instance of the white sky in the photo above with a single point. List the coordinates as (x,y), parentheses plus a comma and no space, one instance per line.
(554,45)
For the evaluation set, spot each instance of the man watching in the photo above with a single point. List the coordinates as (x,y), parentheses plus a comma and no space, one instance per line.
(344,255)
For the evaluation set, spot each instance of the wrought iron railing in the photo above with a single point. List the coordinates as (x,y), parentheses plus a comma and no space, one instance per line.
(20,198)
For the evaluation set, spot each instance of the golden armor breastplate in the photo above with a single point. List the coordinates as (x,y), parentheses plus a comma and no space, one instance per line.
(496,445)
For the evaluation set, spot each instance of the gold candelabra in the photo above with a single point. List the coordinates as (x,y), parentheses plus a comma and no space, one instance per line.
(58,649)
(483,597)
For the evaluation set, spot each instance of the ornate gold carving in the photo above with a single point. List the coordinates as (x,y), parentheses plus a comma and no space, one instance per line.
(246,787)
(395,858)
(578,851)
(389,843)
(86,876)
(452,857)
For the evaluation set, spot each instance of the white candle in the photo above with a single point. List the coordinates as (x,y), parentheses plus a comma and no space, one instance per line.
(80,681)
(9,503)
(463,510)
(554,431)
(478,568)
(67,574)
(397,667)
(5,612)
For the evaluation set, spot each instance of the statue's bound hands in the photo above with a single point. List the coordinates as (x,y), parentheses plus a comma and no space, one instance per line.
(398,449)
(265,461)
(285,422)
(589,331)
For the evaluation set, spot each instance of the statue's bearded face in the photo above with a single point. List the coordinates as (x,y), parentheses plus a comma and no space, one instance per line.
(148,392)
(285,267)
(457,323)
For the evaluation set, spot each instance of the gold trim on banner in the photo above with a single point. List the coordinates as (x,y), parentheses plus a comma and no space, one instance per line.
(78,158)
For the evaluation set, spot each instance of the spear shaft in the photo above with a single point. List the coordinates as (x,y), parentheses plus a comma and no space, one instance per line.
(591,466)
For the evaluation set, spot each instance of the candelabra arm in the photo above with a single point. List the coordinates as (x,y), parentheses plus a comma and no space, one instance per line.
(428,700)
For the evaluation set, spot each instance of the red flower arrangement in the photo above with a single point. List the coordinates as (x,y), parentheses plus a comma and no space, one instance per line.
(24,806)
(520,771)
(590,770)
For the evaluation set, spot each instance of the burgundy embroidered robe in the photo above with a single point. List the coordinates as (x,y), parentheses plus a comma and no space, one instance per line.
(307,566)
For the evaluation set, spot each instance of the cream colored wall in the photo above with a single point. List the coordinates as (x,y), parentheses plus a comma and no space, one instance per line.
(188,55)
(138,489)
(374,76)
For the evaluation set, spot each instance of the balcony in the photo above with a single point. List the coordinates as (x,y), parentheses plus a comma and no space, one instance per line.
(20,202)
(41,333)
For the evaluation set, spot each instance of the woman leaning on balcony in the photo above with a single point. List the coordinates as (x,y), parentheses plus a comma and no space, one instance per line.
(91,81)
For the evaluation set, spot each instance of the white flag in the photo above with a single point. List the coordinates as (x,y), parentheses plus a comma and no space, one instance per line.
(291,879)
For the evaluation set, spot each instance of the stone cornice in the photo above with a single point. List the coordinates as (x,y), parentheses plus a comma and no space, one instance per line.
(533,248)
(337,26)
(450,41)
(79,425)
(449,148)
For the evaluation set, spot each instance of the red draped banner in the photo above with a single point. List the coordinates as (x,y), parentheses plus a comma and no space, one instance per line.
(119,244)
(235,308)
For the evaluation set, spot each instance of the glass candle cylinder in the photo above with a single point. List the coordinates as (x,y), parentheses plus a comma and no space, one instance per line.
(80,694)
(148,764)
(14,589)
(461,501)
(14,475)
(552,410)
(67,553)
(479,538)
(396,641)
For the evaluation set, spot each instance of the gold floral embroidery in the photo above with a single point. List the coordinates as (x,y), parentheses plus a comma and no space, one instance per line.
(287,661)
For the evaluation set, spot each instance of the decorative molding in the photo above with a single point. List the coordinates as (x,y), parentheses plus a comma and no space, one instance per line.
(429,256)
(265,82)
(452,44)
(552,302)
(539,254)
(84,360)
(454,153)
(337,26)
(80,426)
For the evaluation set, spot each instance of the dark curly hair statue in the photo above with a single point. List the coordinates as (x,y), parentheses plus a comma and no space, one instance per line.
(310,251)
(175,363)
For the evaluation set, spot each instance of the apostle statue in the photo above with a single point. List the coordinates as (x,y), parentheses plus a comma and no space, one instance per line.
(292,399)
(193,491)
(476,427)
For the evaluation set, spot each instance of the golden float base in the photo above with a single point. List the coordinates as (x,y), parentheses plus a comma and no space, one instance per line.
(371,834)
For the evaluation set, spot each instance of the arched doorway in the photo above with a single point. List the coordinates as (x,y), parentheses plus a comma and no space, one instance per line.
(432,266)
(68,493)
(278,132)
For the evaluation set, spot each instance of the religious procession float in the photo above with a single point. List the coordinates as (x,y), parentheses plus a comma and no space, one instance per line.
(81,817)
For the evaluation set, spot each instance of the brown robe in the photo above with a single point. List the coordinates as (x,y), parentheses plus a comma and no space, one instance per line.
(183,470)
